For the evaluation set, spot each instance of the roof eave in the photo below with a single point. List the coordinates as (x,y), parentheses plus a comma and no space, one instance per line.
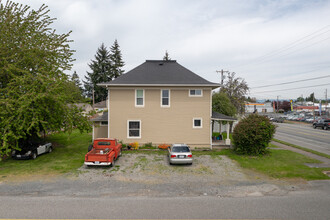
(213,86)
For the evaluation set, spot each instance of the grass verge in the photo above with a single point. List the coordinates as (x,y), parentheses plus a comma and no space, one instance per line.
(280,164)
(68,155)
(302,148)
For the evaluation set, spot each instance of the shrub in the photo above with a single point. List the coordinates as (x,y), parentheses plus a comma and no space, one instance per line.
(252,135)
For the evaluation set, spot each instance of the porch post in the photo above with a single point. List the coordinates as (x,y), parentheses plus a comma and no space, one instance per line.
(228,139)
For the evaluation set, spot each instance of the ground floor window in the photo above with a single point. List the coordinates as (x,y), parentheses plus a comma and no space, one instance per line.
(134,129)
(197,123)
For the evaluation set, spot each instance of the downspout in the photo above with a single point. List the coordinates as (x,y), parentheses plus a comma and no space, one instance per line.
(211,119)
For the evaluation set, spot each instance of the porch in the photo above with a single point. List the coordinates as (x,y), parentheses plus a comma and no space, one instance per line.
(216,116)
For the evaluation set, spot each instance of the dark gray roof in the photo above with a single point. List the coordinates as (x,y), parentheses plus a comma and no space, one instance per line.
(103,117)
(219,116)
(101,104)
(158,73)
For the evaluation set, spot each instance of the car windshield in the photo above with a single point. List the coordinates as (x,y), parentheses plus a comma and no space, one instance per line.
(182,149)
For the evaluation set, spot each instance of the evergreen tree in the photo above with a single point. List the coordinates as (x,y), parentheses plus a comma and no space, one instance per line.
(116,60)
(75,79)
(166,57)
(101,71)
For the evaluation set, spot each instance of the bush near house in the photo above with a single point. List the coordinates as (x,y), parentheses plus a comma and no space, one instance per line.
(252,135)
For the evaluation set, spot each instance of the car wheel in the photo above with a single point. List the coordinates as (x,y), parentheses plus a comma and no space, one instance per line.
(34,155)
(314,126)
(50,150)
(325,127)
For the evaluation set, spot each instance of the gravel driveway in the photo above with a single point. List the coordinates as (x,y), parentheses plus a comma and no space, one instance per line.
(151,175)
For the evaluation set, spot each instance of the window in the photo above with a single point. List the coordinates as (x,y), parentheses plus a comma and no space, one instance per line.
(139,98)
(103,123)
(195,92)
(197,123)
(165,98)
(134,129)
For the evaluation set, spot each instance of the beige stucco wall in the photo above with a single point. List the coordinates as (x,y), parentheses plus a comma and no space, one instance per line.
(100,131)
(159,125)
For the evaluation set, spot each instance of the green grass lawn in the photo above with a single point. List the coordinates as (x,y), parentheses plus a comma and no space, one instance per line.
(281,164)
(68,155)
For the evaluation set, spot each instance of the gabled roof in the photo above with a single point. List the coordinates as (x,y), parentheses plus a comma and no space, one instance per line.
(160,73)
(101,104)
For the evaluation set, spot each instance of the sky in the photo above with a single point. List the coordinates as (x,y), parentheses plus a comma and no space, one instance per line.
(265,42)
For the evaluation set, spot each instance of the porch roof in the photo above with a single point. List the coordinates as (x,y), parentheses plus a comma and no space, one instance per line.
(103,117)
(221,117)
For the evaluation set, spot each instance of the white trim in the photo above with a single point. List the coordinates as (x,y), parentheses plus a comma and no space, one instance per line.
(211,120)
(215,85)
(132,120)
(136,105)
(161,98)
(194,123)
(109,113)
(201,95)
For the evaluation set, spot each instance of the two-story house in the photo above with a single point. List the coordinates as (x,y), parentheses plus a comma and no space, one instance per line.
(160,102)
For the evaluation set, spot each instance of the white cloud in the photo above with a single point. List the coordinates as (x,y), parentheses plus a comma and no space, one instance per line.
(205,36)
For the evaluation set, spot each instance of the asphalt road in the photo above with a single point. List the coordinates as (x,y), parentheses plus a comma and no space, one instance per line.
(311,204)
(304,136)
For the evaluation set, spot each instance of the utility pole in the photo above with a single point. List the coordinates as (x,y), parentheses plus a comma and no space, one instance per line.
(222,76)
(93,98)
(277,104)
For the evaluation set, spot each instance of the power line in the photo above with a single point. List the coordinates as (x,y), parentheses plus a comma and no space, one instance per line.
(302,80)
(293,88)
(289,46)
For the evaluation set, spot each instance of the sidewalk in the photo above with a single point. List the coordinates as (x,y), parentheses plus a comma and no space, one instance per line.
(325,161)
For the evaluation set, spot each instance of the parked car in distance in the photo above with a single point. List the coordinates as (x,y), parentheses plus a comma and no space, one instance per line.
(32,149)
(323,123)
(278,120)
(103,152)
(179,154)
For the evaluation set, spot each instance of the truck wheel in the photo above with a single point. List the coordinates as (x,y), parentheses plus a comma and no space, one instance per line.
(113,163)
(34,155)
(90,147)
(120,153)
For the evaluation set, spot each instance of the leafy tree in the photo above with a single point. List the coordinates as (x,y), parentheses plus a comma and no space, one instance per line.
(236,89)
(252,135)
(300,99)
(34,90)
(311,98)
(222,104)
(116,60)
(166,57)
(101,71)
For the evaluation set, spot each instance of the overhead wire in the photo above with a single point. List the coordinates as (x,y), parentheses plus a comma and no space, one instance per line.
(292,88)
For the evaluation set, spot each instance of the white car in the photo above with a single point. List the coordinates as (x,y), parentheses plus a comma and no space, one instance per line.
(180,154)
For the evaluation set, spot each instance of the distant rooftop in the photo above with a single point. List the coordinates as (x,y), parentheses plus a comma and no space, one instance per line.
(160,72)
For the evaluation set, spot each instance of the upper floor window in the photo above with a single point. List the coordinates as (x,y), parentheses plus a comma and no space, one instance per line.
(195,92)
(165,99)
(139,98)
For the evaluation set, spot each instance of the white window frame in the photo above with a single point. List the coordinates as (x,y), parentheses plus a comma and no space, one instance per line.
(104,124)
(136,105)
(201,95)
(131,120)
(161,98)
(194,123)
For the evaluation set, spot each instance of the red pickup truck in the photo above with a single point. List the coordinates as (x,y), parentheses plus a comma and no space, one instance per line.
(103,152)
